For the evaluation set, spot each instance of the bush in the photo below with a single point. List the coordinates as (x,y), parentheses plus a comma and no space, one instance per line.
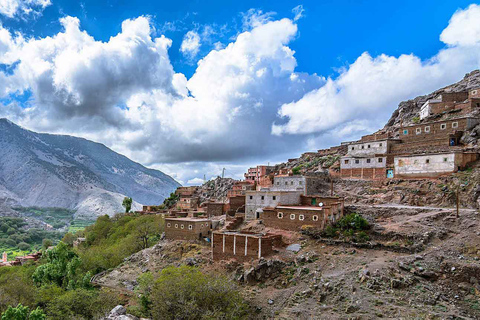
(186,293)
(330,231)
(362,236)
(23,313)
(353,221)
(23,246)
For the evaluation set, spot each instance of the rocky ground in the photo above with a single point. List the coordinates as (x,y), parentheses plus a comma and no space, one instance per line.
(421,263)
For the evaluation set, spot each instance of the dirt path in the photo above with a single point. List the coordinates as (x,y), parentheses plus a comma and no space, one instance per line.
(400,206)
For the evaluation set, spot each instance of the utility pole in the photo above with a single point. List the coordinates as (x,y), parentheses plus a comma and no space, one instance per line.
(204,178)
(223,173)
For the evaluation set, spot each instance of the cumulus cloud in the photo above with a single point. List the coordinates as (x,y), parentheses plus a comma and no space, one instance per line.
(298,12)
(245,101)
(371,87)
(190,44)
(12,8)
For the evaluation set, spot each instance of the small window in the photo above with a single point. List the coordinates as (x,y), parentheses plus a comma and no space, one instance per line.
(418,130)
(292,216)
(427,129)
(286,183)
(278,183)
(380,159)
(357,161)
(190,227)
(368,146)
(280,215)
(474,92)
(427,161)
(251,197)
(301,217)
(405,132)
(274,197)
(445,159)
(346,161)
(353,148)
(368,160)
(182,226)
(291,183)
(381,144)
(315,218)
(176,225)
(300,182)
(455,125)
(169,225)
(443,126)
(263,197)
(363,147)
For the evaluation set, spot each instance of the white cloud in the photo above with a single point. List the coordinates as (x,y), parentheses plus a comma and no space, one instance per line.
(371,87)
(190,44)
(298,12)
(195,181)
(463,28)
(12,8)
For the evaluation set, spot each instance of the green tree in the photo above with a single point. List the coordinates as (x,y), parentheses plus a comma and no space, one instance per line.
(61,268)
(186,293)
(21,312)
(127,204)
(46,243)
(23,246)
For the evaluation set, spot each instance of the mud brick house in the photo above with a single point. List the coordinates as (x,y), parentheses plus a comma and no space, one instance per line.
(337,203)
(242,246)
(368,158)
(432,136)
(187,228)
(309,184)
(186,191)
(432,164)
(255,201)
(464,102)
(254,174)
(187,203)
(235,204)
(239,188)
(214,208)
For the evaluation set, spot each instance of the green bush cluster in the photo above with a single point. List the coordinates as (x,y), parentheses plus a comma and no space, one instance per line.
(352,226)
(171,201)
(186,293)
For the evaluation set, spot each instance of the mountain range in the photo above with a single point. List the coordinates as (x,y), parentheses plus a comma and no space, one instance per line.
(47,170)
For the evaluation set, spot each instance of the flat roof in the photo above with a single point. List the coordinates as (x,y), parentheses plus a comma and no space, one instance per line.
(189,219)
(430,122)
(304,207)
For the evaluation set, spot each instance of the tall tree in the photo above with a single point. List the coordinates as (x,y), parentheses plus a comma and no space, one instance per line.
(127,204)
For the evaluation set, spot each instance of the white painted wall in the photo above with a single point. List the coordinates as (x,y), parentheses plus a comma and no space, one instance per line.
(417,165)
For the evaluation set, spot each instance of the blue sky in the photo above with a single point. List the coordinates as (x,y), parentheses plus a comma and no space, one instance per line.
(190,87)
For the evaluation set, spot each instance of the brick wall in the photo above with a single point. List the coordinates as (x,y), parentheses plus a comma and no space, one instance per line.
(174,231)
(364,173)
(214,209)
(241,247)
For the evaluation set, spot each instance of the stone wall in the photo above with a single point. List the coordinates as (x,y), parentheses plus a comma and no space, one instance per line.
(295,219)
(214,208)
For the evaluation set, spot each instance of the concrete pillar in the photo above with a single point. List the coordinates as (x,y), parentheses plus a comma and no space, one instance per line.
(259,248)
(223,243)
(246,244)
(234,244)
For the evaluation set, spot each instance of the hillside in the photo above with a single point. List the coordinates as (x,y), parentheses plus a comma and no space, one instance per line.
(47,170)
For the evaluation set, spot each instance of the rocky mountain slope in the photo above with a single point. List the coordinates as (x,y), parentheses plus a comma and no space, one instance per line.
(48,170)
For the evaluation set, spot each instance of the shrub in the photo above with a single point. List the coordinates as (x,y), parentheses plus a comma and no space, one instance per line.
(23,313)
(353,221)
(186,293)
(330,231)
(362,236)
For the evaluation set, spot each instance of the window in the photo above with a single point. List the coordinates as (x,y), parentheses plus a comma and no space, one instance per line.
(278,183)
(292,216)
(363,147)
(263,197)
(357,161)
(368,146)
(381,144)
(353,148)
(443,126)
(474,92)
(455,125)
(301,217)
(182,226)
(169,225)
(286,183)
(315,218)
(291,183)
(427,129)
(251,197)
(380,159)
(405,132)
(445,159)
(418,130)
(368,160)
(427,161)
(346,161)
(176,225)
(300,182)
(274,198)
(190,227)
(280,215)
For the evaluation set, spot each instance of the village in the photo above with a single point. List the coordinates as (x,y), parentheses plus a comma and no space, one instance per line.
(272,199)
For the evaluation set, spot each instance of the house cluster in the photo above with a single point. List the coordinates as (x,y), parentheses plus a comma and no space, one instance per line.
(277,199)
(429,148)
(19,260)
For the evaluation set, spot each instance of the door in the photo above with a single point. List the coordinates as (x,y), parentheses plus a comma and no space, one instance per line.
(390,173)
